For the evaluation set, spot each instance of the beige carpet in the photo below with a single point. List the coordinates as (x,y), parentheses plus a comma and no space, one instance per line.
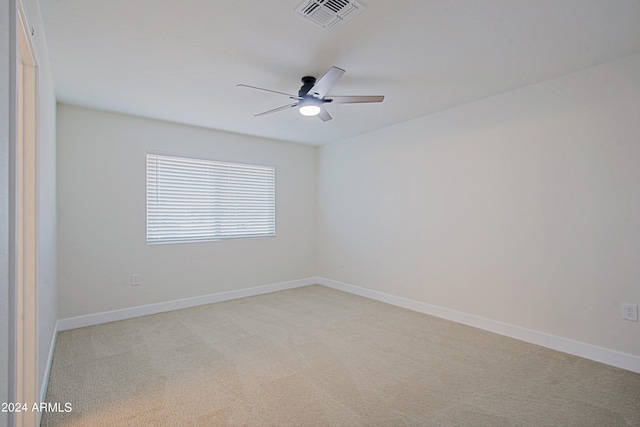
(315,356)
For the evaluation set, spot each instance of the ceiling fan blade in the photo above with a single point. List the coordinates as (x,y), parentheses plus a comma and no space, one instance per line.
(269,90)
(275,110)
(324,114)
(322,86)
(354,99)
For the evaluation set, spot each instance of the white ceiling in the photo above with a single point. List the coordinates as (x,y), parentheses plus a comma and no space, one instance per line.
(181,60)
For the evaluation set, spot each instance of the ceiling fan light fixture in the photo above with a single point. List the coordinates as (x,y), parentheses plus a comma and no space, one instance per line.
(308,107)
(309,110)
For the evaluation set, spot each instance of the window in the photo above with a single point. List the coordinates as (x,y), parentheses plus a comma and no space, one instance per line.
(194,200)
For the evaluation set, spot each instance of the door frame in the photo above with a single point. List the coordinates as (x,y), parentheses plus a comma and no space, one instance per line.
(24,202)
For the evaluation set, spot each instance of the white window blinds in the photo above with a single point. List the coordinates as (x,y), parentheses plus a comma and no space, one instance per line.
(194,200)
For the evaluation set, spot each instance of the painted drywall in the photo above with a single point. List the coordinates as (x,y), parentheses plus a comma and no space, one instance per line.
(523,208)
(6,345)
(47,247)
(101,215)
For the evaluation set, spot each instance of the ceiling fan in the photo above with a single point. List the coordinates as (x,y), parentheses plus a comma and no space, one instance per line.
(313,95)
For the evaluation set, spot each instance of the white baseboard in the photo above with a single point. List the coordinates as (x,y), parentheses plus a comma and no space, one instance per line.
(47,368)
(128,313)
(565,345)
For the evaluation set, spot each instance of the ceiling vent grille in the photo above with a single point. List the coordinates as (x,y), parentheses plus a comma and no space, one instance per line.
(329,14)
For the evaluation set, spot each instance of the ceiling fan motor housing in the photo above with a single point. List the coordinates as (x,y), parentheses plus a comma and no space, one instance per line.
(307,83)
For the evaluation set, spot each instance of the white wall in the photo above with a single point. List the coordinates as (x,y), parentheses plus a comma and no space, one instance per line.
(523,208)
(101,215)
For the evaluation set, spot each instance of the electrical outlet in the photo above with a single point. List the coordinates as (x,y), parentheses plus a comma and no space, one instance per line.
(630,312)
(135,279)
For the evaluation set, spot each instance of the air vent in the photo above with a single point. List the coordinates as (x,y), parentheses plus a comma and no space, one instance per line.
(329,14)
